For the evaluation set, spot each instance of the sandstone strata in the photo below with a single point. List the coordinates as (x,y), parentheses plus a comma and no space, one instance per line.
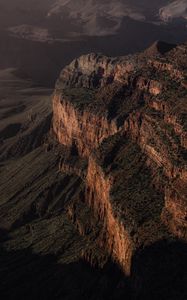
(108,108)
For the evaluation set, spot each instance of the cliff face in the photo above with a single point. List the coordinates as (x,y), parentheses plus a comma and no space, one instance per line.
(115,238)
(102,196)
(83,130)
(127,118)
(162,140)
(175,211)
(96,70)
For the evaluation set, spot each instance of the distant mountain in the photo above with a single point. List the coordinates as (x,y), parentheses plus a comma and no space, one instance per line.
(105,17)
(88,17)
(175,9)
(41,36)
(97,17)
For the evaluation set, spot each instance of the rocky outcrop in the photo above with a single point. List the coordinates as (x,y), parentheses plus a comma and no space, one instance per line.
(105,189)
(175,212)
(115,238)
(159,48)
(154,140)
(82,130)
(163,148)
(162,65)
(95,70)
(116,113)
(172,118)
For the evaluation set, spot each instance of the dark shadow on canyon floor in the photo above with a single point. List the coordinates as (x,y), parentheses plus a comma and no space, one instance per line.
(24,275)
(159,271)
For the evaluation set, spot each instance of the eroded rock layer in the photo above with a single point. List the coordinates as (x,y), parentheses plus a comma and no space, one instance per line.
(127,117)
(97,198)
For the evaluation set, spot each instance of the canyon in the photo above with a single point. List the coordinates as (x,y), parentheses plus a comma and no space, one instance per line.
(127,117)
(98,185)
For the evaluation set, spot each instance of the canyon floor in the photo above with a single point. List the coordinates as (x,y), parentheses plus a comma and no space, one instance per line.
(93,180)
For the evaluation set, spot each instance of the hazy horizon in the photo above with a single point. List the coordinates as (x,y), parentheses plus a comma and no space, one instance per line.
(38,36)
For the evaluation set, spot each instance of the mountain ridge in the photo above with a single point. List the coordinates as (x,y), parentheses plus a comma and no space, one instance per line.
(105,187)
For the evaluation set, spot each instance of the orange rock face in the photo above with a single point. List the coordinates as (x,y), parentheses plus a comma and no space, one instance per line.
(85,129)
(142,112)
(175,213)
(115,237)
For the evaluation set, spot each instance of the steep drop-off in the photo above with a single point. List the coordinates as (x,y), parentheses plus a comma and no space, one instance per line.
(48,233)
(93,196)
(127,117)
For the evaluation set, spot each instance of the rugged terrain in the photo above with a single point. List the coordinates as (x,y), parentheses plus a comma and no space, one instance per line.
(94,196)
(44,248)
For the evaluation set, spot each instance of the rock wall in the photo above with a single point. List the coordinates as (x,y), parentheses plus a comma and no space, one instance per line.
(115,238)
(95,70)
(156,146)
(83,130)
(175,212)
(168,67)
